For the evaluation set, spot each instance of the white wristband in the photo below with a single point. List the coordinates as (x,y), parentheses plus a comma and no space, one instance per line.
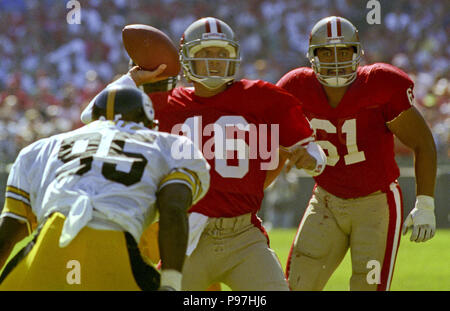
(425,202)
(171,278)
(321,159)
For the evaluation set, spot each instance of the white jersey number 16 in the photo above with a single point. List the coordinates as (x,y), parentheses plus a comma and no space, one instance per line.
(222,144)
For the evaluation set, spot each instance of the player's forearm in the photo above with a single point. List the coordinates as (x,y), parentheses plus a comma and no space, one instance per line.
(425,165)
(173,237)
(5,251)
(11,232)
(412,130)
(5,247)
(273,174)
(173,202)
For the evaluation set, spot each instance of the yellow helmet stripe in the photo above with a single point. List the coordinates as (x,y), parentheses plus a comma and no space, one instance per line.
(110,105)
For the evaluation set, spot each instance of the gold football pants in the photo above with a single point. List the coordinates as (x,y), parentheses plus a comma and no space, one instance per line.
(94,260)
(235,252)
(369,226)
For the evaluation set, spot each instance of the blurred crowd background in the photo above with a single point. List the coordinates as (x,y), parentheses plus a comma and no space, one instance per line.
(49,69)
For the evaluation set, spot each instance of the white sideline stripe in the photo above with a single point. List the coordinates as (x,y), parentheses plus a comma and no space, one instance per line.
(302,222)
(398,218)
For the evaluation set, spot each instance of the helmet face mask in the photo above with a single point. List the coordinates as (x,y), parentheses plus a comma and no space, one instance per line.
(334,33)
(204,34)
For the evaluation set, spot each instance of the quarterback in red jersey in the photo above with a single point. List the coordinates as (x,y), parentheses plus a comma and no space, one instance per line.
(239,126)
(356,202)
(241,115)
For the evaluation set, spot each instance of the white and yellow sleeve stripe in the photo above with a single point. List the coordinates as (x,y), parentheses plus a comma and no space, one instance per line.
(186,177)
(18,206)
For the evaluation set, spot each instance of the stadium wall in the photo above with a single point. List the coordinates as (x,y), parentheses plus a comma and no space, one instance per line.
(288,213)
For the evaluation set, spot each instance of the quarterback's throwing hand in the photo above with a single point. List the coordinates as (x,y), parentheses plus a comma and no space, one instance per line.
(421,219)
(141,76)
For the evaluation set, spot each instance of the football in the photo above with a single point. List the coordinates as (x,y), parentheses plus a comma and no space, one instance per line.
(149,47)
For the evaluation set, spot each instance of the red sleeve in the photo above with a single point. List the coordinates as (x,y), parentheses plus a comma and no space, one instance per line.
(288,81)
(395,89)
(288,114)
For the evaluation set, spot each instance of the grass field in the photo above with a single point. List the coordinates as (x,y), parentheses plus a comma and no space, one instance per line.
(419,267)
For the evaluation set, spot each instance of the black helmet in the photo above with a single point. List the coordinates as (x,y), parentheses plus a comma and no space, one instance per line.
(124,103)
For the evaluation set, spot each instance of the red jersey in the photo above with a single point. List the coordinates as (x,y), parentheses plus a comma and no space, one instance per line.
(359,145)
(233,129)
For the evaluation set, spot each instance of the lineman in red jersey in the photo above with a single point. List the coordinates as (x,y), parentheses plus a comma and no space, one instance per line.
(231,121)
(356,202)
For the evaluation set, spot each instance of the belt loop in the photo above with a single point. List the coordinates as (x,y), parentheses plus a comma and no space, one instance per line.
(236,223)
(219,223)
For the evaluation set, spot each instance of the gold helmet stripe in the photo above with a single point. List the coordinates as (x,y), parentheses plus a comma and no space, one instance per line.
(110,104)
